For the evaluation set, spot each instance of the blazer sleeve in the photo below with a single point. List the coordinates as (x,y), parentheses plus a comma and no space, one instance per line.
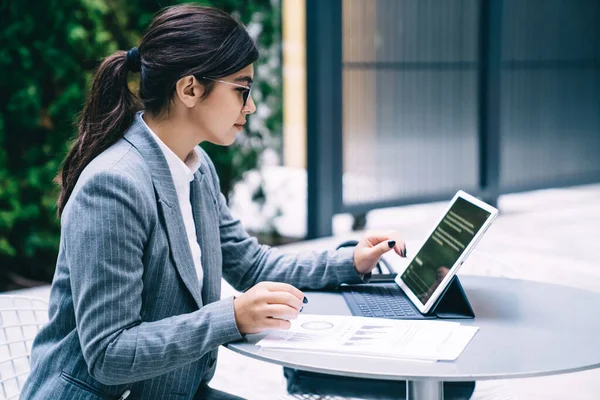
(105,229)
(245,262)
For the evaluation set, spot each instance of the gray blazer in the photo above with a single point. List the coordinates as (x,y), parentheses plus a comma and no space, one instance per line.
(126,309)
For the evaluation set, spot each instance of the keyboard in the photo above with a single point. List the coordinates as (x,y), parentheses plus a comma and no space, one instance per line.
(380,301)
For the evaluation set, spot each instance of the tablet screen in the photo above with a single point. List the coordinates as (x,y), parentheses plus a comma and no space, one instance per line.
(443,248)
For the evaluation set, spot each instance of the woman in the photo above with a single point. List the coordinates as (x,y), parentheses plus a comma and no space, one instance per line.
(135,309)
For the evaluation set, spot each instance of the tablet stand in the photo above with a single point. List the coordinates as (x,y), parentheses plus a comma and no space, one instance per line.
(453,303)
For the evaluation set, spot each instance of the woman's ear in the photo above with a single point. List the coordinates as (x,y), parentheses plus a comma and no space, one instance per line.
(189,90)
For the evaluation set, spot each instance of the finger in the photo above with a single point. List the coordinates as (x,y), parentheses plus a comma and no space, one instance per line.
(384,247)
(400,248)
(376,238)
(281,312)
(276,323)
(284,298)
(397,246)
(284,287)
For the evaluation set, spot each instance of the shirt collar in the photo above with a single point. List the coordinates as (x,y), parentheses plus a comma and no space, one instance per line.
(182,172)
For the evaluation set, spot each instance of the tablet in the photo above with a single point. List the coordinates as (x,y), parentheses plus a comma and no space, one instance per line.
(432,267)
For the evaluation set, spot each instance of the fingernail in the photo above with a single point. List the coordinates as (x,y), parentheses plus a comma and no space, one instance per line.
(301,309)
(391,243)
(404,252)
(305,300)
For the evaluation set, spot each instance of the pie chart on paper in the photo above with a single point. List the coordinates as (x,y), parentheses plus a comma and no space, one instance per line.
(317,325)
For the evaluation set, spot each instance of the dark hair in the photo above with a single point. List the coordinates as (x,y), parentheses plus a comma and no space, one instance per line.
(181,41)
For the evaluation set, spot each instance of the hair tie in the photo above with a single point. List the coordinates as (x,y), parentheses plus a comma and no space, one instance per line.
(134,62)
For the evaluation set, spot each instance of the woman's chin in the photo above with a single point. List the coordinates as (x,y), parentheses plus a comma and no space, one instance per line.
(225,140)
(230,138)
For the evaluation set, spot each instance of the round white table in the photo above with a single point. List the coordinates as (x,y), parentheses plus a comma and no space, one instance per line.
(527,329)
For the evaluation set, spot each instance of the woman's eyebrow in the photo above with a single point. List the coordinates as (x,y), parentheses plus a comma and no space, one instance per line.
(246,79)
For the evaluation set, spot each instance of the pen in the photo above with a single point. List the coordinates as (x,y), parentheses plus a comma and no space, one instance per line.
(125,394)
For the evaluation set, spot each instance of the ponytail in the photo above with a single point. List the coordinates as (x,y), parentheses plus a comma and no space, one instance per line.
(182,40)
(109,110)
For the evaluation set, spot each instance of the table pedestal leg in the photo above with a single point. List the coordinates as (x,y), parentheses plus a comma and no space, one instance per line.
(424,390)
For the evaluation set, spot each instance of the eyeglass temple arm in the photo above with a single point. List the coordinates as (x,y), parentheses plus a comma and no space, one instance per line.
(228,83)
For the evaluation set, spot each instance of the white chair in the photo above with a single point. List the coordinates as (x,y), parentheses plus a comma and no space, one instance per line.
(21,317)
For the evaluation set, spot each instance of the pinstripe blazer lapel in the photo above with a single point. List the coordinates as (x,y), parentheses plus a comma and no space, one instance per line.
(168,205)
(204,208)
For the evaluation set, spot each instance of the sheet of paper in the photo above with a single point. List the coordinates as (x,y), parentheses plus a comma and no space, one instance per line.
(370,357)
(406,339)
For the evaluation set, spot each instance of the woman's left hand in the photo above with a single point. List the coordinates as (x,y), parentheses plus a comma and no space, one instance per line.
(375,244)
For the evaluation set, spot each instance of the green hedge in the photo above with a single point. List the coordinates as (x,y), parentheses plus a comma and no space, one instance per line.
(47,56)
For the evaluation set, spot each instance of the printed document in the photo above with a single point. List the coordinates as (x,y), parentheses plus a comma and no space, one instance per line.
(406,339)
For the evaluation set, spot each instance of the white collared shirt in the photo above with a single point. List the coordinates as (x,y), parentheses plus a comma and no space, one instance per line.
(183,174)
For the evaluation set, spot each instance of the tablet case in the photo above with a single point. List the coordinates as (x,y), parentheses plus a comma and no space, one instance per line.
(452,303)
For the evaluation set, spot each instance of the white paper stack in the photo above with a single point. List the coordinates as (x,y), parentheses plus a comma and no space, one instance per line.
(406,339)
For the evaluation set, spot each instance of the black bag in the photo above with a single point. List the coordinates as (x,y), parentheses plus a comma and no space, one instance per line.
(313,383)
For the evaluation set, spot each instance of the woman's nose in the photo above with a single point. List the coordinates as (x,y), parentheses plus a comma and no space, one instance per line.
(250,107)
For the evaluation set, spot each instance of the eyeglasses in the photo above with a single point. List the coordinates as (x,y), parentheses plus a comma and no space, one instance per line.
(245,93)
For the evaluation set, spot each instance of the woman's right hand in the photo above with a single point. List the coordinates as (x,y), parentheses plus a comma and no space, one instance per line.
(267,305)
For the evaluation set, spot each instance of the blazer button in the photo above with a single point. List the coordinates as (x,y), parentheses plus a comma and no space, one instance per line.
(212,362)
